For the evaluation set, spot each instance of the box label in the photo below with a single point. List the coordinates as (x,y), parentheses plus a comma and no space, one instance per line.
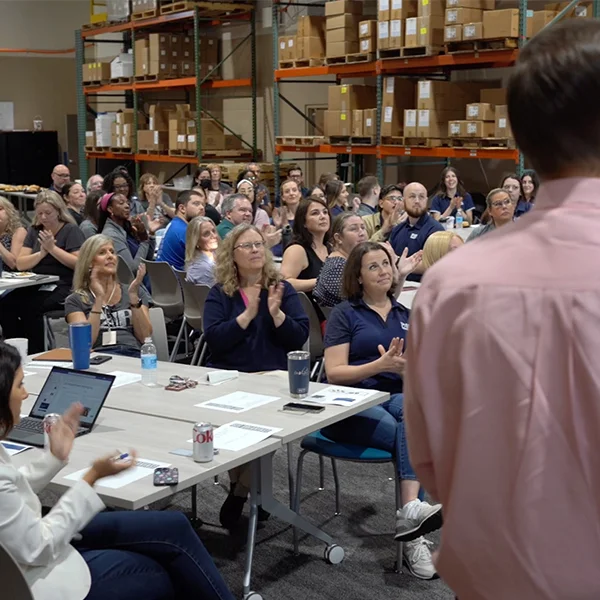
(343,116)
(473,111)
(452,16)
(180,138)
(469,31)
(191,139)
(364,29)
(369,122)
(388,114)
(424,90)
(396,28)
(502,123)
(384,30)
(454,129)
(451,32)
(411,118)
(343,89)
(156,138)
(389,85)
(423,31)
(423,118)
(425,2)
(364,45)
(291,43)
(411,26)
(384,4)
(282,45)
(471,127)
(396,4)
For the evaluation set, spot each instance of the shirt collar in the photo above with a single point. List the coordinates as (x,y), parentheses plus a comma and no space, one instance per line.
(422,220)
(572,191)
(360,303)
(371,209)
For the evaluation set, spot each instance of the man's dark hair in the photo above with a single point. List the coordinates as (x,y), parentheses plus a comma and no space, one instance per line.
(553,96)
(388,189)
(289,171)
(10,361)
(184,197)
(366,185)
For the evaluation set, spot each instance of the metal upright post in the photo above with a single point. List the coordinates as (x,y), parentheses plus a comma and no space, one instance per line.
(198,85)
(596,9)
(254,83)
(522,42)
(276,158)
(380,163)
(81,107)
(136,123)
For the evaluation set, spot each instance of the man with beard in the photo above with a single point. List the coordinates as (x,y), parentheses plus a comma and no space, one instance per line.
(413,232)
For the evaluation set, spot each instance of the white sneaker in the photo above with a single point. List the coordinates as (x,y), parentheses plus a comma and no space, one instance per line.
(417,558)
(416,519)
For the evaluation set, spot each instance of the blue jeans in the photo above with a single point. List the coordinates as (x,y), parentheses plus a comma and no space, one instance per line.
(150,555)
(379,427)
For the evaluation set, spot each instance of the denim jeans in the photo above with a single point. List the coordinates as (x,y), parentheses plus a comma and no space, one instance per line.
(148,555)
(380,427)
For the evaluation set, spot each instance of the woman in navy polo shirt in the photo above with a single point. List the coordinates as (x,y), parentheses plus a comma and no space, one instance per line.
(364,345)
(451,197)
(511,184)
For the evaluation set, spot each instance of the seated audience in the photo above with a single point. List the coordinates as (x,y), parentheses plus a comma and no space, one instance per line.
(49,248)
(452,197)
(317,192)
(247,188)
(117,313)
(500,209)
(189,204)
(530,184)
(156,202)
(337,195)
(438,244)
(512,185)
(391,212)
(12,235)
(119,182)
(364,347)
(368,191)
(89,225)
(252,320)
(60,175)
(74,196)
(131,240)
(295,174)
(216,184)
(214,199)
(94,184)
(253,170)
(303,259)
(347,232)
(127,555)
(201,243)
(237,209)
(325,178)
(414,231)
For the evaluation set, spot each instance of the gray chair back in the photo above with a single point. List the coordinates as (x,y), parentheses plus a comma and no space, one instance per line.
(124,272)
(166,291)
(14,584)
(315,336)
(159,333)
(194,297)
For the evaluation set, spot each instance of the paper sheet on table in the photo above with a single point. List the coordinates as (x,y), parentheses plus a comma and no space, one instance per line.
(26,373)
(48,364)
(13,448)
(339,395)
(143,468)
(124,378)
(238,435)
(238,402)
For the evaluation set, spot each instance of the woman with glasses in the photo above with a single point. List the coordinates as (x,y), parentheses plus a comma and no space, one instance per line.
(246,185)
(501,210)
(252,320)
(391,212)
(120,182)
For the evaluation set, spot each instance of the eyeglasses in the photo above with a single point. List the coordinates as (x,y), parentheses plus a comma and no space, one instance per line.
(247,246)
(501,204)
(393,198)
(510,187)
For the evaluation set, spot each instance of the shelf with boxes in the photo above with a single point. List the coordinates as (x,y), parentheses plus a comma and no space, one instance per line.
(175,51)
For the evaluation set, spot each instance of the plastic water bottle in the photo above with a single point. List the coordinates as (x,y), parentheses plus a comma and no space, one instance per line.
(149,363)
(458,222)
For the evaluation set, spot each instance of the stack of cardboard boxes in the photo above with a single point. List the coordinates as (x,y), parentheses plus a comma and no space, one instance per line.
(172,56)
(427,29)
(156,137)
(96,72)
(122,134)
(103,129)
(351,111)
(484,119)
(342,21)
(398,96)
(392,18)
(308,44)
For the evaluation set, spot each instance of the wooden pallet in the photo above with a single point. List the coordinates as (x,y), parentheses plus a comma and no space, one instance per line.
(307,141)
(90,26)
(335,60)
(121,150)
(144,14)
(148,78)
(340,140)
(309,62)
(392,141)
(286,64)
(121,79)
(151,152)
(484,143)
(362,140)
(89,148)
(100,149)
(422,51)
(206,9)
(96,83)
(181,152)
(390,53)
(425,142)
(498,44)
(232,154)
(360,57)
(460,47)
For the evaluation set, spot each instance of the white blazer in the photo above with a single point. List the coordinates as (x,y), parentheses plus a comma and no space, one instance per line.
(53,568)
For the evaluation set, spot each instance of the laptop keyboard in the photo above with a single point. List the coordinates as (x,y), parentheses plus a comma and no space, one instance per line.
(37,426)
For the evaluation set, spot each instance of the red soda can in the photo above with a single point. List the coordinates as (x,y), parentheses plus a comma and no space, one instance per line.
(48,423)
(202,437)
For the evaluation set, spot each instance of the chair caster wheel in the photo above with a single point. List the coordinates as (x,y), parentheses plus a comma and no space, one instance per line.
(334,554)
(253,596)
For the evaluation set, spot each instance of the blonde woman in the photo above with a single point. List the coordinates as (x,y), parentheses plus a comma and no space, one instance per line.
(201,242)
(438,244)
(49,248)
(117,313)
(252,320)
(155,202)
(12,235)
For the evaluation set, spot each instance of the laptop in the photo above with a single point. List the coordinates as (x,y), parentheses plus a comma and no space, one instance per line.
(62,388)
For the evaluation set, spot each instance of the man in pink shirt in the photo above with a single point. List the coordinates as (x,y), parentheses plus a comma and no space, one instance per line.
(502,390)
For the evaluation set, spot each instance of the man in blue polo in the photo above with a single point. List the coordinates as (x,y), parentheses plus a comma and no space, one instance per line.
(189,204)
(413,232)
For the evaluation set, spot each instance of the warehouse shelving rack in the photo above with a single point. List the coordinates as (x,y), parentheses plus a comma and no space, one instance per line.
(442,64)
(130,92)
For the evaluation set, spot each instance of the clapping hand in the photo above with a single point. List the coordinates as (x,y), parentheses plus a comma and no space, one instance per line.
(407,264)
(253,295)
(96,286)
(274,300)
(280,217)
(134,286)
(272,235)
(154,225)
(63,432)
(46,240)
(457,202)
(139,229)
(392,360)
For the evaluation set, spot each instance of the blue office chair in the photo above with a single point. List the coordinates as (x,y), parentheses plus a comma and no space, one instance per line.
(322,446)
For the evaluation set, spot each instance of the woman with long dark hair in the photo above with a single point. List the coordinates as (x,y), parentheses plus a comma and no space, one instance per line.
(530,184)
(120,182)
(337,195)
(452,197)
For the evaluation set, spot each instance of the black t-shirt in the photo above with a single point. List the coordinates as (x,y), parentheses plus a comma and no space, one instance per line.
(77,216)
(69,238)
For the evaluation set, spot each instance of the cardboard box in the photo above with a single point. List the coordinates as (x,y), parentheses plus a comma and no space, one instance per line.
(343,7)
(209,50)
(358,118)
(502,128)
(367,29)
(154,141)
(396,39)
(159,47)
(122,65)
(383,10)
(351,97)
(481,4)
(411,36)
(398,95)
(583,10)
(434,123)
(403,9)
(481,111)
(457,129)
(341,35)
(310,26)
(341,48)
(410,122)
(370,122)
(472,31)
(501,23)
(157,118)
(212,135)
(310,47)
(539,20)
(383,35)
(431,31)
(341,22)
(126,116)
(283,47)
(291,48)
(459,16)
(447,95)
(90,138)
(431,8)
(496,96)
(338,123)
(141,57)
(453,33)
(367,45)
(233,143)
(480,129)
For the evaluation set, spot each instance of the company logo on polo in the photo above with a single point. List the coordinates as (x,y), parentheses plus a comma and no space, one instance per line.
(404,326)
(414,236)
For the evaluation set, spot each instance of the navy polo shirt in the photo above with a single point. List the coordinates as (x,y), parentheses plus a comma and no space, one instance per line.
(413,237)
(440,204)
(354,323)
(522,207)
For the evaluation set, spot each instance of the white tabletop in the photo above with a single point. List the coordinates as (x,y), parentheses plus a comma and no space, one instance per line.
(465,232)
(21,194)
(12,283)
(153,439)
(408,293)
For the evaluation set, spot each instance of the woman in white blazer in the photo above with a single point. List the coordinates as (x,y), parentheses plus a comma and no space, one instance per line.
(118,555)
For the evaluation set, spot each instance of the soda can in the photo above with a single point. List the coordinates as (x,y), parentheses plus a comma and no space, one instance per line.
(449,224)
(48,423)
(202,437)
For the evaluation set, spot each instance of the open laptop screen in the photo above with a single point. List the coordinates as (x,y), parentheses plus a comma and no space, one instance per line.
(65,386)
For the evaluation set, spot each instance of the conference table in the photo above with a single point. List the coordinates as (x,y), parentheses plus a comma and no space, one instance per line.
(12,283)
(22,199)
(465,232)
(155,421)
